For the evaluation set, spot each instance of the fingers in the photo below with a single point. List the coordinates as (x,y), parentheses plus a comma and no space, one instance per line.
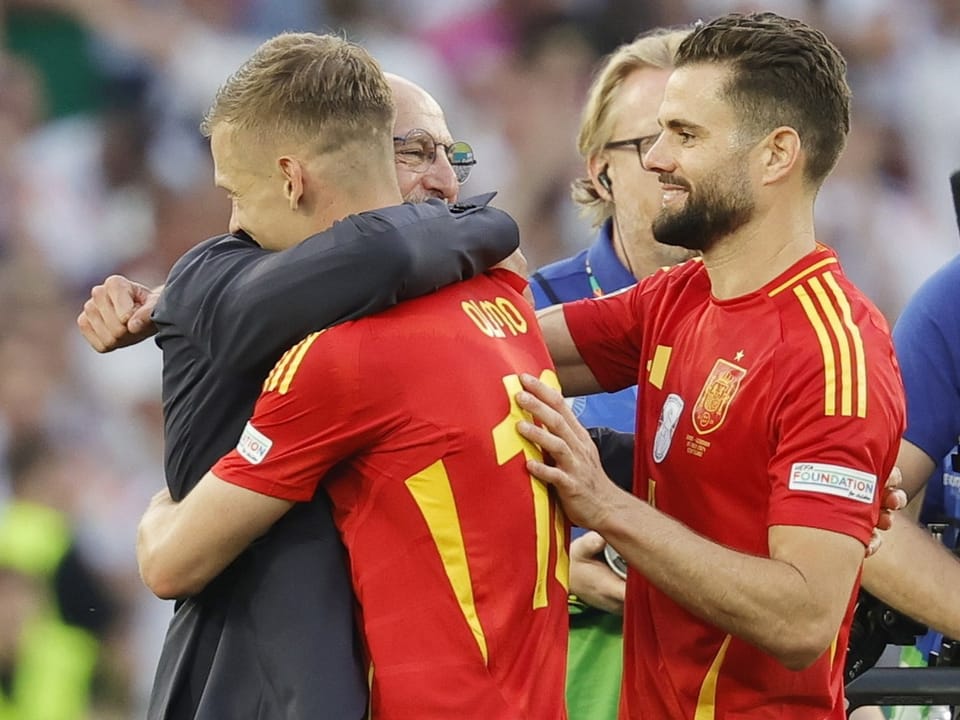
(876,540)
(93,328)
(104,320)
(141,321)
(122,296)
(591,579)
(587,545)
(894,500)
(548,406)
(895,480)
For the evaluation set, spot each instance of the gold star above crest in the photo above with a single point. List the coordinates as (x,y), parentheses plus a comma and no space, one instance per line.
(739,356)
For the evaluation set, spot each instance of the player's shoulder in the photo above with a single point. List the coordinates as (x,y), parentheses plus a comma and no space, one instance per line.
(823,312)
(321,358)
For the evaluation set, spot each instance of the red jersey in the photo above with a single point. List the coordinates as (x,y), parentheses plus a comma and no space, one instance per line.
(780,407)
(457,555)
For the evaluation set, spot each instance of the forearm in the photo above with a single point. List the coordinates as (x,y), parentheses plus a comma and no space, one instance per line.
(182,546)
(914,573)
(767,602)
(155,557)
(575,377)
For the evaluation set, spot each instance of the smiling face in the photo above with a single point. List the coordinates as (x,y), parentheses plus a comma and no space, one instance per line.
(416,109)
(702,162)
(634,114)
(254,185)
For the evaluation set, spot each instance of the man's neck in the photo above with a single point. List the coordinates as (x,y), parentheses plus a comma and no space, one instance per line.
(341,205)
(755,254)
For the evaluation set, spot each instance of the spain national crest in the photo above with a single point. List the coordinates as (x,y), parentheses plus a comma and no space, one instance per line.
(716,395)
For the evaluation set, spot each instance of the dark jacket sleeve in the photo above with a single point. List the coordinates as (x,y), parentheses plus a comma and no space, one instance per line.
(241,304)
(616,454)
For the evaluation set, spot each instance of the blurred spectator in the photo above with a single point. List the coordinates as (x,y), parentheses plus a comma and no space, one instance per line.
(102,170)
(55,609)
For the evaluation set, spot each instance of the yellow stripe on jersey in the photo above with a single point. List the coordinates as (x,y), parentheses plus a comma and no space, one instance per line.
(658,366)
(296,360)
(541,519)
(843,344)
(432,492)
(707,700)
(854,330)
(271,382)
(562,571)
(283,372)
(826,349)
(800,275)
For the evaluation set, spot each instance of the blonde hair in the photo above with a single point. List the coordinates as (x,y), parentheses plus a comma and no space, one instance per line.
(655,49)
(318,89)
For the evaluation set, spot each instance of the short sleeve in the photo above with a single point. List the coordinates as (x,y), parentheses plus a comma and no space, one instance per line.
(313,412)
(607,333)
(831,461)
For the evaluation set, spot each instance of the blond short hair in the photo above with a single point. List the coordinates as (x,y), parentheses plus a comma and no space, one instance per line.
(655,49)
(318,89)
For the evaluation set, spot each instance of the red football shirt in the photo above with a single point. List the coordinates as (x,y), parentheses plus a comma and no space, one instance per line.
(457,556)
(781,407)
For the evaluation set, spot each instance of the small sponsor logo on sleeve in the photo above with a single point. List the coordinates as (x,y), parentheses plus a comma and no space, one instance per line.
(833,480)
(254,445)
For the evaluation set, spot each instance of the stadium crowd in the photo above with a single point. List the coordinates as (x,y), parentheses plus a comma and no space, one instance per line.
(103,170)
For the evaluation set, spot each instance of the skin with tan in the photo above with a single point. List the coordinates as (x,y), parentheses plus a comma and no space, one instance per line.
(791,603)
(634,114)
(416,109)
(118,311)
(282,192)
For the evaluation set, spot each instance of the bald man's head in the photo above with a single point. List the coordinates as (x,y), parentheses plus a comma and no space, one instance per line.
(417,110)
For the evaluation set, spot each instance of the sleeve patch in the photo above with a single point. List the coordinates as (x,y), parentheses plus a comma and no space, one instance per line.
(833,480)
(253,445)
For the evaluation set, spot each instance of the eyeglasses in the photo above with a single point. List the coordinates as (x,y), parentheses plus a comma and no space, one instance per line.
(642,144)
(417,150)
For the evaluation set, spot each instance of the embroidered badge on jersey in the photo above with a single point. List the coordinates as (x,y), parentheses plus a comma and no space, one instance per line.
(833,480)
(253,445)
(666,426)
(716,395)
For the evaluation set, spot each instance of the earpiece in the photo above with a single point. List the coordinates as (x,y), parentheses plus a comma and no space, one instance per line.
(605,180)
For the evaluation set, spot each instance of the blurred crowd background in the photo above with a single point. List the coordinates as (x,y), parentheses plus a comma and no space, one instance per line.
(103,170)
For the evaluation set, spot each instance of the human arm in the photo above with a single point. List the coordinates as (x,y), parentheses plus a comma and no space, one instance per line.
(183,546)
(911,569)
(303,423)
(789,604)
(575,377)
(243,305)
(117,314)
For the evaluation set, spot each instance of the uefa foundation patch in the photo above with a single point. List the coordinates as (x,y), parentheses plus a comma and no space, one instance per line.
(833,480)
(253,445)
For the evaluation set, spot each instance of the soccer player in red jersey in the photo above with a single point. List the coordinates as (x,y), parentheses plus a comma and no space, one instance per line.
(770,404)
(457,555)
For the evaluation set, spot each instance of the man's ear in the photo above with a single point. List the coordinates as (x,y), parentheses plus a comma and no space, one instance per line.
(293,187)
(599,165)
(780,154)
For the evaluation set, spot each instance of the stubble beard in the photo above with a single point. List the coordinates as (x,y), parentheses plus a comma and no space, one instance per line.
(708,215)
